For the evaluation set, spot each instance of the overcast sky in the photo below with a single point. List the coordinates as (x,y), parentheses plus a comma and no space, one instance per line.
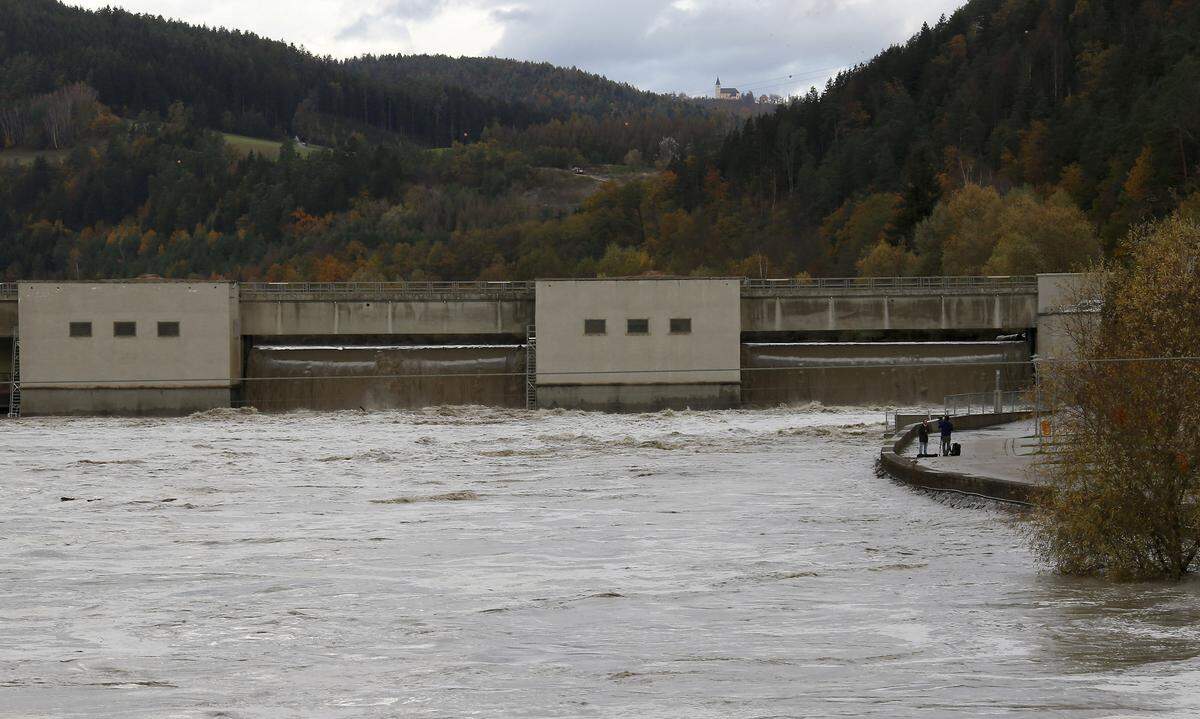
(660,45)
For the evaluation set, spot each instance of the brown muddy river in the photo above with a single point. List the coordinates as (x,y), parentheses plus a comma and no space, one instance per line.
(475,562)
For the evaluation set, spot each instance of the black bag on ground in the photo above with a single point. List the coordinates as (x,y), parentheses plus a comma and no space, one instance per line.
(955,449)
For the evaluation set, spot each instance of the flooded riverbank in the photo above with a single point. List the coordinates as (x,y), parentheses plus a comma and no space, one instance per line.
(467,561)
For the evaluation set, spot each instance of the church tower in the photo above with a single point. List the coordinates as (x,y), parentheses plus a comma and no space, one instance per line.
(717,91)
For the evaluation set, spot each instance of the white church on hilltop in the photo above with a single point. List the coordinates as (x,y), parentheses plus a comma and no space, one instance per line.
(725,93)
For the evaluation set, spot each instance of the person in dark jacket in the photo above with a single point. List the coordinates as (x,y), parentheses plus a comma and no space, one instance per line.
(923,439)
(947,429)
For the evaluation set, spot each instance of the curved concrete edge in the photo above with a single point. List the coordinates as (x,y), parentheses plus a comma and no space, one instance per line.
(911,472)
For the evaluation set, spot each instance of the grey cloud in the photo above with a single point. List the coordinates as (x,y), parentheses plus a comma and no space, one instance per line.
(415,9)
(391,19)
(513,15)
(659,46)
(361,27)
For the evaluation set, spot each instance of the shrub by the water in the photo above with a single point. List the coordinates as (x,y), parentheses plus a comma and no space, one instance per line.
(1124,482)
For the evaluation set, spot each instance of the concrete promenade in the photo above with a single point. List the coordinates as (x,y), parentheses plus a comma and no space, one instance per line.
(1007,451)
(999,459)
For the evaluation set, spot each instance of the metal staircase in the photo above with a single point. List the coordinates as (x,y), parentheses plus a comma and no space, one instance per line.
(14,389)
(530,367)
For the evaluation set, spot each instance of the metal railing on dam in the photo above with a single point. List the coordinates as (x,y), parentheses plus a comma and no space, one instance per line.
(8,290)
(825,286)
(524,290)
(383,291)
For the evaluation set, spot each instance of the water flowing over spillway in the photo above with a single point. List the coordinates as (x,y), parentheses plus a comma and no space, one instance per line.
(287,377)
(467,561)
(282,377)
(867,373)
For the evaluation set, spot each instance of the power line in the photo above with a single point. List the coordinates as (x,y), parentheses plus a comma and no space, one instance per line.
(802,74)
(789,80)
(934,364)
(797,76)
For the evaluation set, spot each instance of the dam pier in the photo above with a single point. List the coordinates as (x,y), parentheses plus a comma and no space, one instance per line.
(174,346)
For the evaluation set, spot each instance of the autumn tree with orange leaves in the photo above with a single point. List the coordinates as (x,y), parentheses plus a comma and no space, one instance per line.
(1124,480)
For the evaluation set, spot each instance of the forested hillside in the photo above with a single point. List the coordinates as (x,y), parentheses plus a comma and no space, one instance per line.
(230,80)
(555,91)
(1079,111)
(1014,136)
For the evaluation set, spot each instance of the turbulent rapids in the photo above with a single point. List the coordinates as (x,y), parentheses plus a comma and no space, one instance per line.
(466,561)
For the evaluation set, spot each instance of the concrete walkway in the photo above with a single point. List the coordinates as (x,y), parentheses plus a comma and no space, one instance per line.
(998,460)
(1007,451)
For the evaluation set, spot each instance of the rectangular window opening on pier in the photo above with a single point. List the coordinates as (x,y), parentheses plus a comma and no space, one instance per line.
(681,326)
(168,329)
(124,329)
(81,329)
(637,327)
(595,327)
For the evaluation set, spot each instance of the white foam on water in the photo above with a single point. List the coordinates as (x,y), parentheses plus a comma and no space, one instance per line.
(471,561)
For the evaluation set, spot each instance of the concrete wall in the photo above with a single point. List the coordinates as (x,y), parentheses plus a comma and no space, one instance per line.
(875,312)
(639,397)
(1060,291)
(408,317)
(1066,303)
(144,374)
(709,354)
(124,402)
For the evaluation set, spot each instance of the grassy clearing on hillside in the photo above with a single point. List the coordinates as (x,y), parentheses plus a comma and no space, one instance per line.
(27,157)
(565,190)
(562,190)
(267,148)
(619,173)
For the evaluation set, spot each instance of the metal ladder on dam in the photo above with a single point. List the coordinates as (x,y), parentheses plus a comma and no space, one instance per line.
(530,367)
(14,387)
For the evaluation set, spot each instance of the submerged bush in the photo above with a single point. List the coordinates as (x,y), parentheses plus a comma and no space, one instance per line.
(1124,482)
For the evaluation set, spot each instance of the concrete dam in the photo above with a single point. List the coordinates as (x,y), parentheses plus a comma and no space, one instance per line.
(154,347)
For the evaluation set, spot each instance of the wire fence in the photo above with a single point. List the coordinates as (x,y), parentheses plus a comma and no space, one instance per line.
(993,402)
(634,372)
(606,375)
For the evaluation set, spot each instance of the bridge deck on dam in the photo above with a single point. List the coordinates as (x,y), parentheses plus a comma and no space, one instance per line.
(507,308)
(889,303)
(386,308)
